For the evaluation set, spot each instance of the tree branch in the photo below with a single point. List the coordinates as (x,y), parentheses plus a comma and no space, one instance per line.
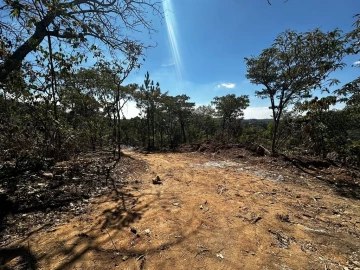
(15,60)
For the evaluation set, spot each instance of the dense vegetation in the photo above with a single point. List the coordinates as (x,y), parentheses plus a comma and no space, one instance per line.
(52,108)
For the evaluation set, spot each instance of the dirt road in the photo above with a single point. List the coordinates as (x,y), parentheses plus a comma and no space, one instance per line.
(206,214)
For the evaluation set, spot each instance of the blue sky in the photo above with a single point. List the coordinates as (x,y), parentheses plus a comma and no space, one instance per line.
(213,36)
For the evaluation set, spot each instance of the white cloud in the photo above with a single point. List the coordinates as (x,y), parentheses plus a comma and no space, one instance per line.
(356,63)
(257,113)
(227,85)
(130,110)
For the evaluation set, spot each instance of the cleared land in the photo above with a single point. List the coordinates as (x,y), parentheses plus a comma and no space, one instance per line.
(209,212)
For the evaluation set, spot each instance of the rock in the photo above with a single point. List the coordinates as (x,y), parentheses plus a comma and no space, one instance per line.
(133,230)
(48,175)
(201,207)
(157,181)
(147,231)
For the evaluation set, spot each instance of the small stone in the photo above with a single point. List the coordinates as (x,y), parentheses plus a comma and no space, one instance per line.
(220,256)
(124,258)
(175,204)
(157,181)
(147,231)
(201,207)
(133,230)
(48,175)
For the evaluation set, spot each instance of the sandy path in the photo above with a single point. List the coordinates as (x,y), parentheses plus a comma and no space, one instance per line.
(204,217)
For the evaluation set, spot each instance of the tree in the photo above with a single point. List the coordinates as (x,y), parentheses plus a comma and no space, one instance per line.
(293,66)
(353,37)
(82,24)
(148,98)
(108,80)
(349,92)
(183,110)
(203,122)
(230,109)
(319,127)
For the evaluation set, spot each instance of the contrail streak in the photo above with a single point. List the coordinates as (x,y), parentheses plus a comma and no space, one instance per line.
(172,34)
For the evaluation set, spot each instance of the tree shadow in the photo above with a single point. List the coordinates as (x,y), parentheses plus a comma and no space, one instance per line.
(25,259)
(102,237)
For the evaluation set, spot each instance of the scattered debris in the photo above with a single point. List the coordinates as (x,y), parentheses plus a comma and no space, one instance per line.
(203,250)
(83,235)
(242,194)
(164,247)
(220,256)
(314,230)
(253,218)
(60,193)
(124,258)
(220,189)
(140,257)
(307,246)
(256,220)
(283,218)
(283,241)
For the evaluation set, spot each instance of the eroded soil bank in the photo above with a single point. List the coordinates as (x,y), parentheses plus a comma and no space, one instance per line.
(207,213)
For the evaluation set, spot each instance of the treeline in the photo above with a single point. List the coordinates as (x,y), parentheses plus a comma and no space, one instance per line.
(52,109)
(87,114)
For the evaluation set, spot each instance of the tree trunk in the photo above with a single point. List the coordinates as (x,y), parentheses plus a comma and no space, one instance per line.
(114,135)
(118,124)
(274,136)
(53,90)
(148,129)
(15,60)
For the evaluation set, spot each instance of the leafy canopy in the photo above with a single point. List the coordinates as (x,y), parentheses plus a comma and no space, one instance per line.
(293,66)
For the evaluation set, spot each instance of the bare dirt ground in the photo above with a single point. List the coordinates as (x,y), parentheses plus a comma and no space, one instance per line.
(208,212)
